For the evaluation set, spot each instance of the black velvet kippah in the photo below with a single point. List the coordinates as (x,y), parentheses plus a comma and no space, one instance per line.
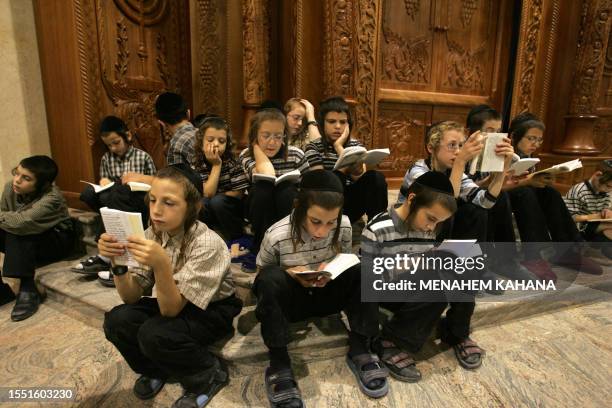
(321,180)
(191,175)
(437,181)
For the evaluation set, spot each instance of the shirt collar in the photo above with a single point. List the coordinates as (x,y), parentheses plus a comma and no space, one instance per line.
(592,189)
(167,240)
(398,223)
(127,155)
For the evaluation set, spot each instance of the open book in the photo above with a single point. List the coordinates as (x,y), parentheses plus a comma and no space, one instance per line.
(488,161)
(561,167)
(522,165)
(98,188)
(600,220)
(464,248)
(121,224)
(358,154)
(137,186)
(334,268)
(293,176)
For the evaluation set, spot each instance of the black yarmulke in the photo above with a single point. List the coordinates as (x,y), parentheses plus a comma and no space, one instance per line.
(437,181)
(321,180)
(113,124)
(191,175)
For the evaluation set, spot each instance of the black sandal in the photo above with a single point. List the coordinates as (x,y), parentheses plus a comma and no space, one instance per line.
(400,364)
(365,377)
(279,398)
(469,354)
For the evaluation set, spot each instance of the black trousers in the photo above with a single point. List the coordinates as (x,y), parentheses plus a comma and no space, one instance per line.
(163,347)
(541,216)
(24,253)
(267,204)
(224,214)
(281,300)
(412,323)
(469,222)
(118,197)
(368,195)
(499,220)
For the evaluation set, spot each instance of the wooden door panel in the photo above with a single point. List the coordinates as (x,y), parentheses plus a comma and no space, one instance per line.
(454,113)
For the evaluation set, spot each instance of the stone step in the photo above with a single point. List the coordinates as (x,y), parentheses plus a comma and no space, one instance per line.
(314,339)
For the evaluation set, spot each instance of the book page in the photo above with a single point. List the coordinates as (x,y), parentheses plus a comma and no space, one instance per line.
(491,162)
(137,186)
(265,177)
(600,220)
(121,224)
(375,156)
(523,165)
(562,167)
(340,264)
(466,248)
(98,188)
(350,156)
(293,175)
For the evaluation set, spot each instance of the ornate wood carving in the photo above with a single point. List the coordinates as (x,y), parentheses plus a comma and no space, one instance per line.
(340,53)
(464,69)
(146,12)
(527,53)
(298,49)
(412,7)
(549,63)
(403,61)
(366,62)
(256,51)
(467,11)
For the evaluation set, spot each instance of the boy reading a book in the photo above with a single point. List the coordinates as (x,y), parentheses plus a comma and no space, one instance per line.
(365,190)
(313,234)
(590,200)
(120,161)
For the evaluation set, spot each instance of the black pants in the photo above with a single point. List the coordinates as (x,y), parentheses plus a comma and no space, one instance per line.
(412,323)
(118,197)
(469,222)
(499,220)
(24,253)
(267,204)
(541,216)
(281,300)
(163,347)
(224,214)
(368,195)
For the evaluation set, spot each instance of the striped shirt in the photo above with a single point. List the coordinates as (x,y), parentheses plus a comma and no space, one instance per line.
(468,191)
(387,235)
(323,154)
(232,177)
(134,160)
(295,160)
(182,146)
(204,277)
(582,199)
(27,215)
(277,246)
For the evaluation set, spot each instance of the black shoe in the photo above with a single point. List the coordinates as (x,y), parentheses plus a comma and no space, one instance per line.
(26,305)
(91,266)
(6,294)
(211,386)
(146,388)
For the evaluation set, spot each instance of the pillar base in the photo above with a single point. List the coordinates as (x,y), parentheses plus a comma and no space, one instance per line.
(578,136)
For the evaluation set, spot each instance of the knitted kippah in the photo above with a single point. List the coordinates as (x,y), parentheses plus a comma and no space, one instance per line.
(191,175)
(437,181)
(321,180)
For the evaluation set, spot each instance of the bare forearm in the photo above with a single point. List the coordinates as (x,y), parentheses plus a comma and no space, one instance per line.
(456,176)
(497,180)
(210,187)
(129,291)
(169,297)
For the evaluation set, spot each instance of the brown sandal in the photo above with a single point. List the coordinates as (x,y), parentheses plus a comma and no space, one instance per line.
(469,354)
(401,365)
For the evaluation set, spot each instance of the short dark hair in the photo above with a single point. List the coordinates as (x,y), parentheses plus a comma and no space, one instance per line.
(113,124)
(170,108)
(605,167)
(478,115)
(333,104)
(218,123)
(45,170)
(305,199)
(521,124)
(425,197)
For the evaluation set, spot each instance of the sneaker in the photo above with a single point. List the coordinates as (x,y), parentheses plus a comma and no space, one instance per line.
(91,266)
(541,269)
(106,279)
(576,261)
(146,388)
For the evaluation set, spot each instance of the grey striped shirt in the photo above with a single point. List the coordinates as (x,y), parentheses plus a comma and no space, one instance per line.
(295,160)
(582,199)
(468,191)
(277,246)
(205,275)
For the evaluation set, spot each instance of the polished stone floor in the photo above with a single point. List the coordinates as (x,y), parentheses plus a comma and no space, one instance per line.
(556,359)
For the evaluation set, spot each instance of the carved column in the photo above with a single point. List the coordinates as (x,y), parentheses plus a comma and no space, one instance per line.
(592,46)
(256,56)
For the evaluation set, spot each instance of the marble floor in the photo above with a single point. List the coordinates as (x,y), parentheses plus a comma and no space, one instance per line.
(557,359)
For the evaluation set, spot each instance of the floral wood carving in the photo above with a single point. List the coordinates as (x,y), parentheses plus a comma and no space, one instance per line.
(255,50)
(403,61)
(339,79)
(161,60)
(145,12)
(364,87)
(529,55)
(464,69)
(467,11)
(412,7)
(123,54)
(211,57)
(404,138)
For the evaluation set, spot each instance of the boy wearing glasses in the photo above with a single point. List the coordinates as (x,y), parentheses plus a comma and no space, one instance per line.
(591,200)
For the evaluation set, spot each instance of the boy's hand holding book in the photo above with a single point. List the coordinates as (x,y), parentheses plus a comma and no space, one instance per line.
(309,279)
(148,252)
(471,148)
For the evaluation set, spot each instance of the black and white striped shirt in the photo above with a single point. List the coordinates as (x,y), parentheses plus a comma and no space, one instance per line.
(134,160)
(323,154)
(582,199)
(277,246)
(232,177)
(468,191)
(295,160)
